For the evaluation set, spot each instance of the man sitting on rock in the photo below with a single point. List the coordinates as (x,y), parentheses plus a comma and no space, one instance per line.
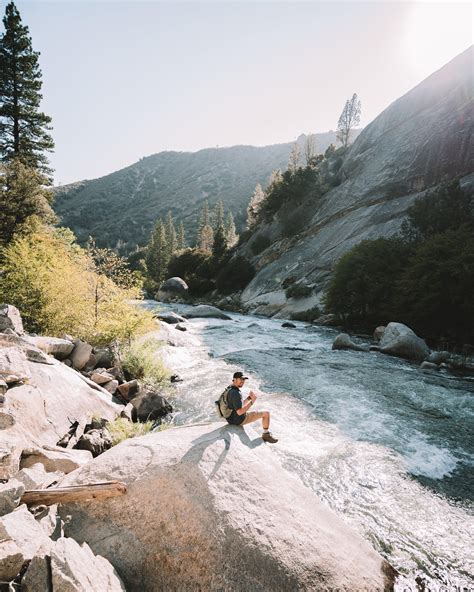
(240,411)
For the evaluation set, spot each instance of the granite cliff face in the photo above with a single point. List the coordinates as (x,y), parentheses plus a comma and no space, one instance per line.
(422,139)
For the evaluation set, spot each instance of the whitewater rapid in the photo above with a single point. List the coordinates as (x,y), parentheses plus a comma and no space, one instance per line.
(388,447)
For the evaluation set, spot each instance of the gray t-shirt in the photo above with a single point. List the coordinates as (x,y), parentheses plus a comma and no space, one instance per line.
(234,402)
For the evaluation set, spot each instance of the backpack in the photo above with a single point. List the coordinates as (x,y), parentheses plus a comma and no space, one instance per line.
(221,404)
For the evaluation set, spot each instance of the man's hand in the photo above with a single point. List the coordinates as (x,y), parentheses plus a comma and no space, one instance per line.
(252,396)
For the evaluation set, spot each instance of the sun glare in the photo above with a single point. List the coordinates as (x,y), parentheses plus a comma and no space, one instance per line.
(435,32)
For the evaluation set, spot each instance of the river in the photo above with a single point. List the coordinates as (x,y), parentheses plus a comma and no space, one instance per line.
(388,447)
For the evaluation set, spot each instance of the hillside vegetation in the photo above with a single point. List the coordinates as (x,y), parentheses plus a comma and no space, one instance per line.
(120,209)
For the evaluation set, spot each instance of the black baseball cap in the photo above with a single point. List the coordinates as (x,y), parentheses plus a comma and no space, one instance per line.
(240,375)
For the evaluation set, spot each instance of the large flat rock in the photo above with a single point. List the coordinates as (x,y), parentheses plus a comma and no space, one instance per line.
(212,509)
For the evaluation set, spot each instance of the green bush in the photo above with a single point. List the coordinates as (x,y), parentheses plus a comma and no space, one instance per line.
(260,243)
(448,207)
(298,291)
(235,275)
(121,429)
(362,288)
(141,360)
(437,287)
(55,285)
(307,315)
(293,221)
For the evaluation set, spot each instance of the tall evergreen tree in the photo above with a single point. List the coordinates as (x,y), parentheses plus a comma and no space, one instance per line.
(157,257)
(348,120)
(219,215)
(24,129)
(230,231)
(171,236)
(294,160)
(255,205)
(22,197)
(205,232)
(181,237)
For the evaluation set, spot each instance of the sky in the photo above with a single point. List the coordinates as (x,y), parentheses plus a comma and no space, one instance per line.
(126,79)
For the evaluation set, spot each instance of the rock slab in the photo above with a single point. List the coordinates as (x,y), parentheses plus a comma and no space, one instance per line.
(201,513)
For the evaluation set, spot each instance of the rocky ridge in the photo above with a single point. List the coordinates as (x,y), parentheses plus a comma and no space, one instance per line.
(422,139)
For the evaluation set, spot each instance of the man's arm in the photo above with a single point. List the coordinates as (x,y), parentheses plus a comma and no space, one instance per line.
(250,400)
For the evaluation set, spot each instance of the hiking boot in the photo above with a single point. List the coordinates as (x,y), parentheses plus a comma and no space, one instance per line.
(267,437)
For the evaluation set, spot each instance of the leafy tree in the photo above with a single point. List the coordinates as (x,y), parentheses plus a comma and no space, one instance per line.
(196,268)
(436,289)
(22,197)
(348,120)
(24,129)
(362,288)
(290,190)
(235,275)
(53,283)
(107,263)
(445,208)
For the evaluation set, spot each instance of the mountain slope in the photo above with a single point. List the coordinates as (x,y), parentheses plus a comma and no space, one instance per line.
(420,140)
(120,209)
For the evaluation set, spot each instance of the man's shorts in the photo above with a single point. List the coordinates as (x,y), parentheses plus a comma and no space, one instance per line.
(252,416)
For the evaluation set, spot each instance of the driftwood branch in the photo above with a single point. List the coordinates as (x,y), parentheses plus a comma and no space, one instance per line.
(73,493)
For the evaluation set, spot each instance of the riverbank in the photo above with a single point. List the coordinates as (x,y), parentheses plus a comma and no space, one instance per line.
(387,446)
(177,519)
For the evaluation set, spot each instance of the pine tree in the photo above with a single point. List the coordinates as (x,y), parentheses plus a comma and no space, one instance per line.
(348,120)
(157,257)
(294,160)
(181,239)
(22,198)
(171,237)
(219,215)
(230,232)
(255,205)
(205,233)
(23,127)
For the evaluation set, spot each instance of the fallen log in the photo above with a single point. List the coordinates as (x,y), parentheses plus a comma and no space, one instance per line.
(73,493)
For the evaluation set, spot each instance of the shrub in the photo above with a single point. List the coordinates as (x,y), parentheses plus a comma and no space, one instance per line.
(235,275)
(298,291)
(448,207)
(260,243)
(290,280)
(306,315)
(293,222)
(197,268)
(121,429)
(141,360)
(362,288)
(53,282)
(436,288)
